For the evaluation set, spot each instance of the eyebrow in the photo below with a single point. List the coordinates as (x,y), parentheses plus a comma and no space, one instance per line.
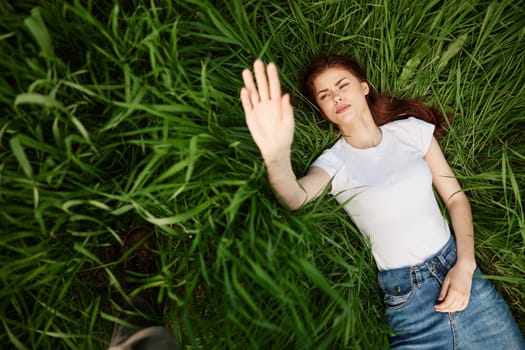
(336,84)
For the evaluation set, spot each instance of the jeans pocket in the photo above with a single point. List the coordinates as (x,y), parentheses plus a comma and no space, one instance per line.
(396,302)
(397,292)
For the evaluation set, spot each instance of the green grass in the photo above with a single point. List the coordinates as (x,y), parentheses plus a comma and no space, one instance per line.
(115,115)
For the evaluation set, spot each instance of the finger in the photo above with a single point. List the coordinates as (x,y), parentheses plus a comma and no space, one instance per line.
(462,306)
(287,109)
(445,306)
(465,303)
(454,302)
(444,289)
(462,301)
(445,297)
(245,101)
(262,81)
(286,105)
(273,80)
(247,78)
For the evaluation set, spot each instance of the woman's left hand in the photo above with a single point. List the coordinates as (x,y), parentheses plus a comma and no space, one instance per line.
(455,292)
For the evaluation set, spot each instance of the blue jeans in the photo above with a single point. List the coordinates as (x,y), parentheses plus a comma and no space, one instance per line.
(411,293)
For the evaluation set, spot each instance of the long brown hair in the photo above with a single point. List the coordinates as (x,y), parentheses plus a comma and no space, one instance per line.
(384,108)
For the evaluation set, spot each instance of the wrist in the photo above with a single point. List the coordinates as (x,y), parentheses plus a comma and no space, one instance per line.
(467,264)
(277,156)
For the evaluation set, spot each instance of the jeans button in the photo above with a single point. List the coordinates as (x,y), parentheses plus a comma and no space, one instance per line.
(433,266)
(398,289)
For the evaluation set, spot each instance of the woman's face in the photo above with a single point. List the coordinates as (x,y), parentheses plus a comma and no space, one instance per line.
(340,95)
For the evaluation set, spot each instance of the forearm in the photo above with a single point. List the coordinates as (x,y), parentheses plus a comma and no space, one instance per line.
(461,217)
(284,182)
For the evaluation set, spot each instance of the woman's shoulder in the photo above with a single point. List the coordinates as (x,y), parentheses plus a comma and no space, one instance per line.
(330,160)
(410,124)
(334,151)
(407,121)
(420,132)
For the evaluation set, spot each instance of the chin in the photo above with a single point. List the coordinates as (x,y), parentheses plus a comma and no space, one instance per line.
(346,118)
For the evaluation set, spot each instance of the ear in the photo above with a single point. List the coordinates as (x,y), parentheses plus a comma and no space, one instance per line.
(365,87)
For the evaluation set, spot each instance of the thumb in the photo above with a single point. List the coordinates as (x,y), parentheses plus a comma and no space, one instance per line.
(286,108)
(444,289)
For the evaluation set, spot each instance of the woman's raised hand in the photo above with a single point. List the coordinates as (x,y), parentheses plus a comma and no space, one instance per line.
(269,115)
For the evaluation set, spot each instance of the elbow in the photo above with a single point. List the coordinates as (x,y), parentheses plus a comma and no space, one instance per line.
(293,205)
(293,200)
(458,199)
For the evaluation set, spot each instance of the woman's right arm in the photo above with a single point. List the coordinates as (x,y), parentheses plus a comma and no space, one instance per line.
(270,119)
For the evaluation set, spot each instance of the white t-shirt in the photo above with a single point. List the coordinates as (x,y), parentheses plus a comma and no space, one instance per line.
(387,191)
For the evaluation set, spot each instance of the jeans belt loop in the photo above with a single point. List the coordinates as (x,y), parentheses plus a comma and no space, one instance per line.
(417,278)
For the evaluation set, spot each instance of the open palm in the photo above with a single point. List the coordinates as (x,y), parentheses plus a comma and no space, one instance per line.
(269,115)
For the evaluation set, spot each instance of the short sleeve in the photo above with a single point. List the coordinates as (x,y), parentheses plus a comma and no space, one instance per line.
(329,162)
(423,133)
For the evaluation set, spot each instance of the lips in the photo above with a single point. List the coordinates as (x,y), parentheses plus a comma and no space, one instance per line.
(342,109)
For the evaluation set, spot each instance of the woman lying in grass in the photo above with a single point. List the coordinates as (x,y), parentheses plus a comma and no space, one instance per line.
(382,170)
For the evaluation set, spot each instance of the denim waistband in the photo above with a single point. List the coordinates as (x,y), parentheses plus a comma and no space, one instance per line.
(437,265)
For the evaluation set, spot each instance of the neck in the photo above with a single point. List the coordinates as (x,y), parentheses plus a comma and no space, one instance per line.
(362,133)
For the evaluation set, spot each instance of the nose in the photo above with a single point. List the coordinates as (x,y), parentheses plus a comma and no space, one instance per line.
(338,98)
